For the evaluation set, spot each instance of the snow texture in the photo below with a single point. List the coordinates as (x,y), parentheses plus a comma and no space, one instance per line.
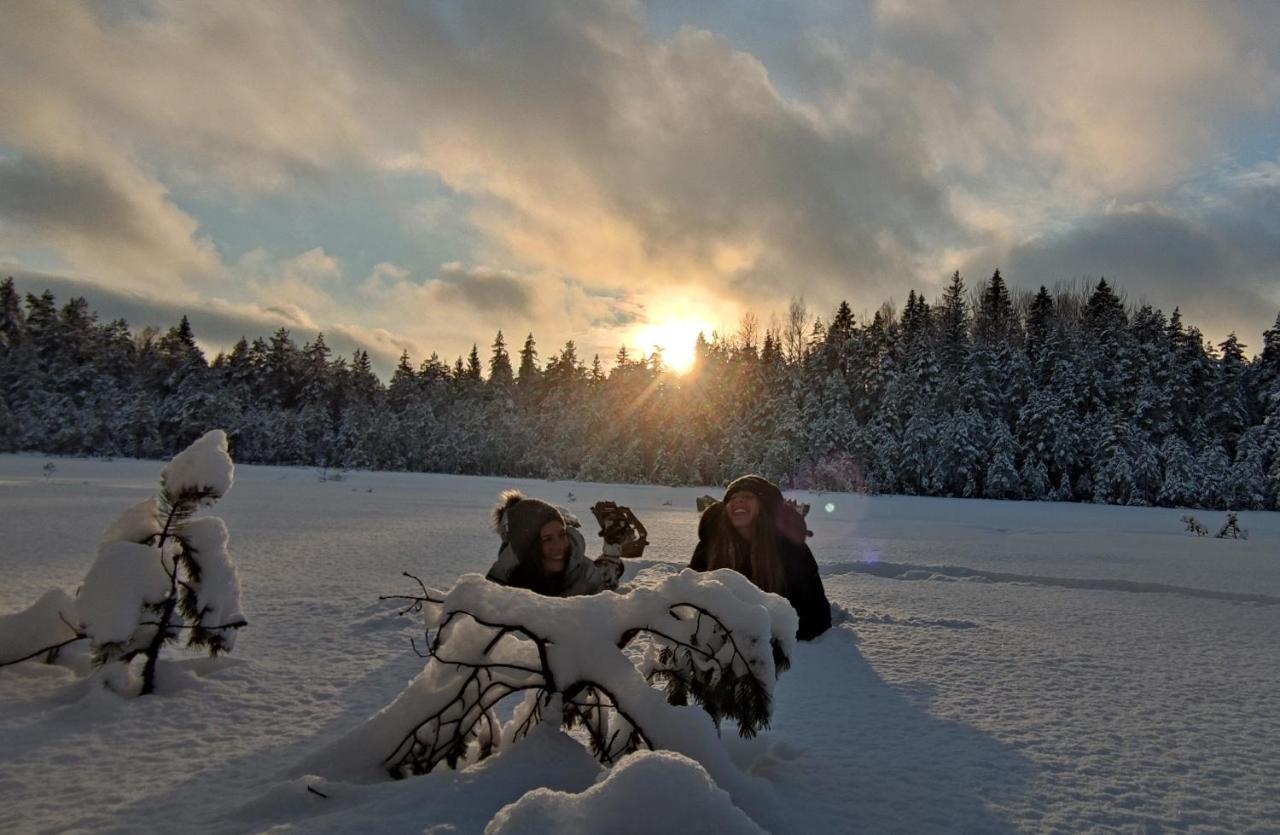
(203,466)
(624,801)
(46,623)
(125,577)
(1020,667)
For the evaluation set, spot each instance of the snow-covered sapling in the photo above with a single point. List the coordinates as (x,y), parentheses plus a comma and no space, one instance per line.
(1193,526)
(160,573)
(1231,528)
(589,662)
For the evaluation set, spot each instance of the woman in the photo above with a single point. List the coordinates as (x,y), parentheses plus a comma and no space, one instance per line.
(754,532)
(543,553)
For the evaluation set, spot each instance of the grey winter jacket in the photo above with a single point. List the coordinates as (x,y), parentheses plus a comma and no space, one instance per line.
(581,576)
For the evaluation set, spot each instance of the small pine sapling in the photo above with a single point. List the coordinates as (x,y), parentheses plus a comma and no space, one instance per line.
(1231,528)
(1193,526)
(161,572)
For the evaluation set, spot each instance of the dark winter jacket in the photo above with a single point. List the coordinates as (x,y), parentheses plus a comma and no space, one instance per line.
(804,587)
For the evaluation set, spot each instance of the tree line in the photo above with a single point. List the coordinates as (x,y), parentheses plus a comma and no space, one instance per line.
(1070,395)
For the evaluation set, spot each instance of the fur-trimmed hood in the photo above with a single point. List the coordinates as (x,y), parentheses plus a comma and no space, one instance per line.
(518,520)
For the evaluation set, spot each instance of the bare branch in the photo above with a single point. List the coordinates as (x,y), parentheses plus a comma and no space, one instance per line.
(43,650)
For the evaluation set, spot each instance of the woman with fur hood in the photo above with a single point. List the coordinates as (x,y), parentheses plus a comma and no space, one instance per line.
(754,532)
(545,553)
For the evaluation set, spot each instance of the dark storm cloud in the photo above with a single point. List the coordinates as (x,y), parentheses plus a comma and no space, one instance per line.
(1136,246)
(1220,267)
(484,289)
(48,195)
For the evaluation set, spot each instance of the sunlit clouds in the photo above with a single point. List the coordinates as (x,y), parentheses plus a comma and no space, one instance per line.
(417,176)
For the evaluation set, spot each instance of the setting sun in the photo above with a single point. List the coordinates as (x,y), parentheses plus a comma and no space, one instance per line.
(676,338)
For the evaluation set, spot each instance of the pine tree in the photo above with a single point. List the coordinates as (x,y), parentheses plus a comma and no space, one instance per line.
(404,385)
(953,324)
(160,573)
(1228,412)
(500,373)
(528,373)
(1264,372)
(1001,479)
(12,322)
(280,370)
(1039,324)
(1113,481)
(994,320)
(1035,479)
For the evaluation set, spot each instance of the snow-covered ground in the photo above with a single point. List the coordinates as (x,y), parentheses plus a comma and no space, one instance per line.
(1004,667)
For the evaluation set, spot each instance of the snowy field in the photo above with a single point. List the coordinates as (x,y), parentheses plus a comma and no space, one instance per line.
(1004,667)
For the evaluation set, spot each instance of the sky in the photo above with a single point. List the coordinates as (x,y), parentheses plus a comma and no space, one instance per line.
(417,176)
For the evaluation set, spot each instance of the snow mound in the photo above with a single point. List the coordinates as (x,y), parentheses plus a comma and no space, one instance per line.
(46,623)
(203,466)
(649,791)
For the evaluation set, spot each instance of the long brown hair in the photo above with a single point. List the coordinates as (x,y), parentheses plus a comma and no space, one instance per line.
(757,558)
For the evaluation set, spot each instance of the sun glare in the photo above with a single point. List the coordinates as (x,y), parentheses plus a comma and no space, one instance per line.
(676,338)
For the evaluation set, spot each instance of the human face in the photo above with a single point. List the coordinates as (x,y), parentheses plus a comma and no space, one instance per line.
(555,546)
(744,507)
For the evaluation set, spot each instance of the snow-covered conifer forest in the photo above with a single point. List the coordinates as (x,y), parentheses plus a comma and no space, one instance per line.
(1069,396)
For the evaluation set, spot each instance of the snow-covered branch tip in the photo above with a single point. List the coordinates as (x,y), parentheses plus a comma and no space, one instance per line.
(160,572)
(595,663)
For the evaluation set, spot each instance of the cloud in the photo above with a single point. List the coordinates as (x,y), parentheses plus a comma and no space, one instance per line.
(1105,99)
(102,217)
(614,172)
(484,289)
(1217,265)
(596,151)
(466,305)
(70,197)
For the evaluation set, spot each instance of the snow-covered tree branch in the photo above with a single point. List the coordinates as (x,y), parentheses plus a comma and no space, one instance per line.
(583,662)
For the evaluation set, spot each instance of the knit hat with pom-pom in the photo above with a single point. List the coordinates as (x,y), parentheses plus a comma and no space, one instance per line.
(519,520)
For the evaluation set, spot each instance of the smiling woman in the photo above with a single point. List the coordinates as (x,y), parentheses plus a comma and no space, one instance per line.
(676,337)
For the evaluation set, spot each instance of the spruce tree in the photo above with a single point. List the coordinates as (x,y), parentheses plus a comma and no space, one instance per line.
(1228,411)
(953,326)
(12,322)
(500,373)
(528,373)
